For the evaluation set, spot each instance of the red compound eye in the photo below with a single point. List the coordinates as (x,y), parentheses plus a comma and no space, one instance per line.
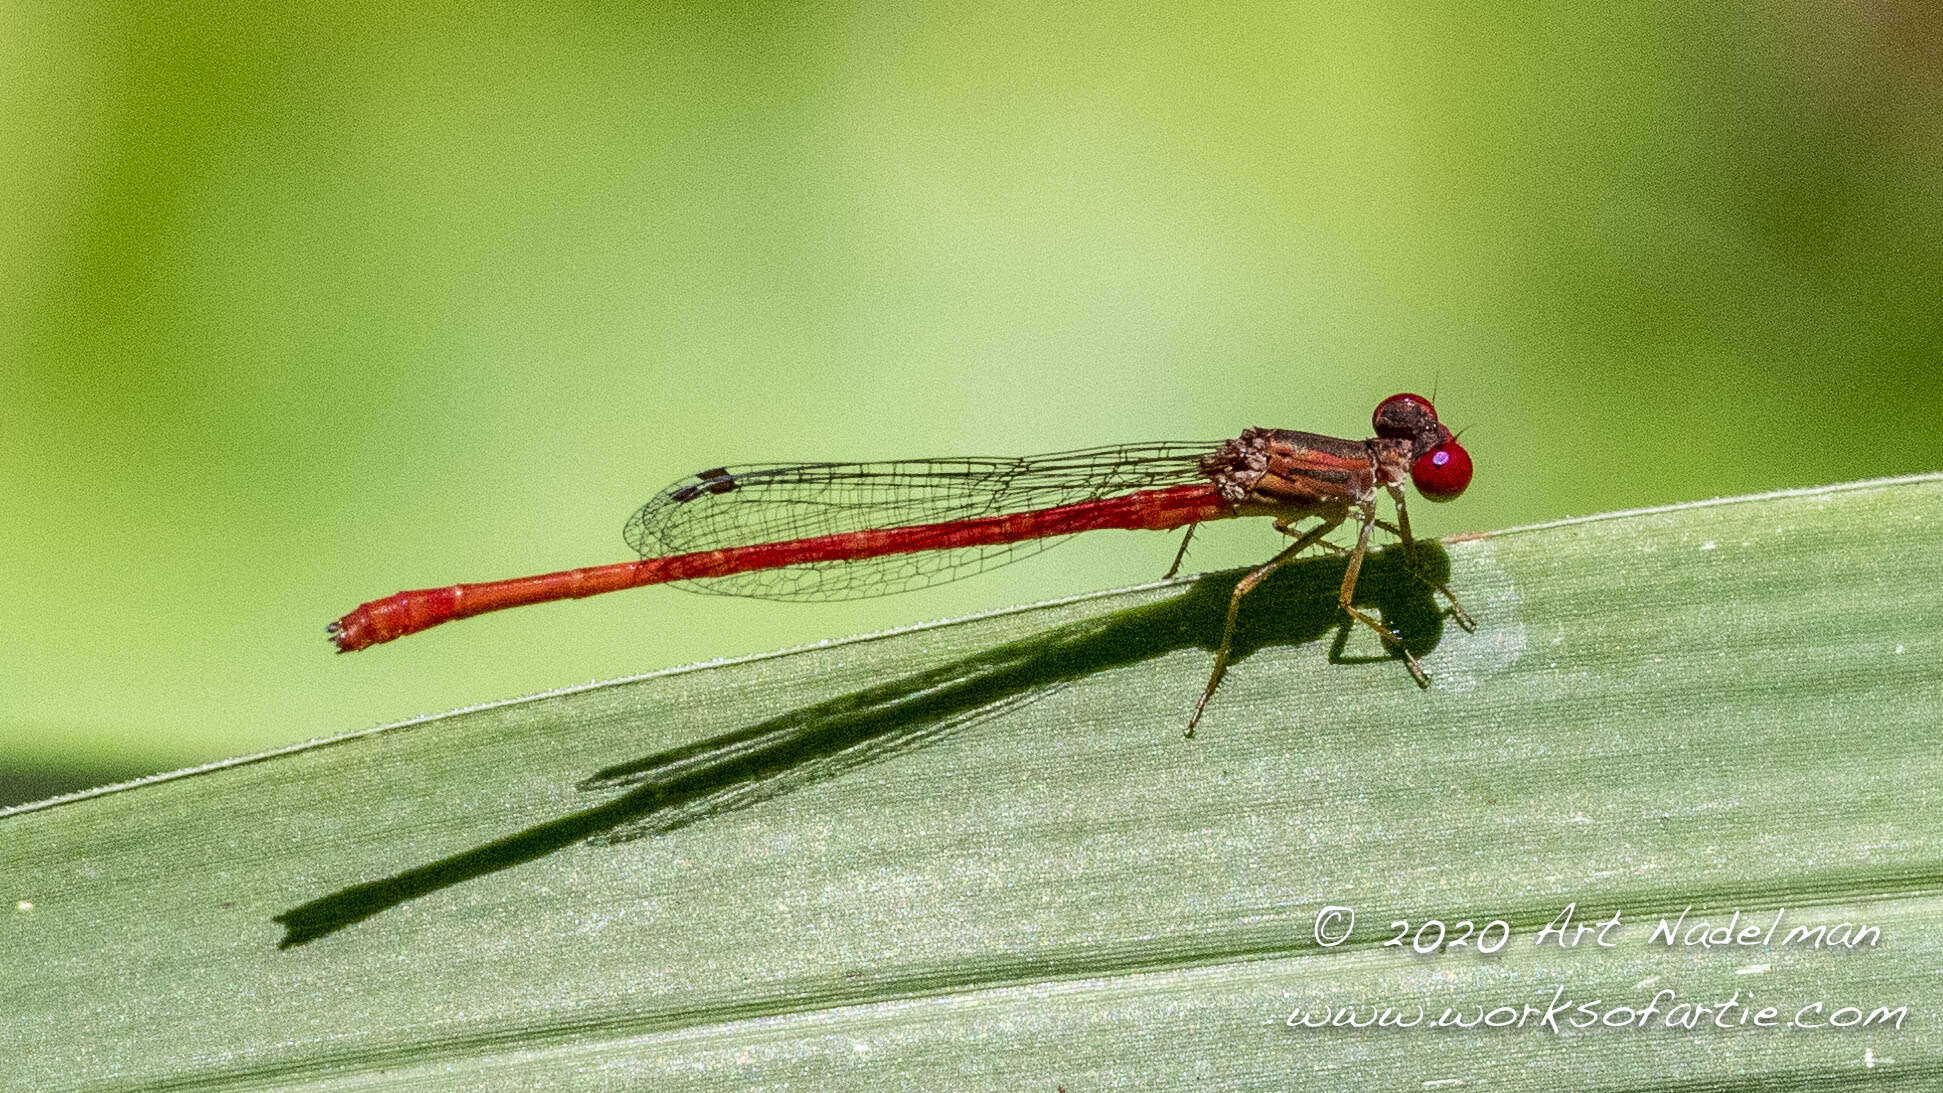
(1442,472)
(1403,416)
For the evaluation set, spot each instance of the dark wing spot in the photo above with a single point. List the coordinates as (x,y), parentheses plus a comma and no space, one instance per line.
(714,480)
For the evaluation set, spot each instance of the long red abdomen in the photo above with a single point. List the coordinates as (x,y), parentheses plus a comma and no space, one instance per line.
(409,612)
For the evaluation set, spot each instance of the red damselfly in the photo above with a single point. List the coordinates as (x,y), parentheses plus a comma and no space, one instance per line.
(835,531)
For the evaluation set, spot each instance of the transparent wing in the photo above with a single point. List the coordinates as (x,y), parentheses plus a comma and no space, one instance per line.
(738,506)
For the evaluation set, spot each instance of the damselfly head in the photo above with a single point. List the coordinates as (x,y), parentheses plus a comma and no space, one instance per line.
(1441,467)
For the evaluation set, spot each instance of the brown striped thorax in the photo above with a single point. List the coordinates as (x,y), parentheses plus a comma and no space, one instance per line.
(1278,469)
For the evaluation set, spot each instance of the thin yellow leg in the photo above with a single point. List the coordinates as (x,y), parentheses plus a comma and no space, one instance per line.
(1242,588)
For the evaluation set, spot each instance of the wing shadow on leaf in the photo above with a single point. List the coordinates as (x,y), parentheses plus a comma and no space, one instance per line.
(671,789)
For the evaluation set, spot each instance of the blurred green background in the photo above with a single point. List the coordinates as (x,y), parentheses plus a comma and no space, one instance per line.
(302,309)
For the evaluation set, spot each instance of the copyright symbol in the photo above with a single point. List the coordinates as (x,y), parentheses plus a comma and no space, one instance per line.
(1334,925)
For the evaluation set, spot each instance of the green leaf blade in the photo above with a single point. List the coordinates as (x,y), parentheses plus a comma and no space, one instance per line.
(980,854)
